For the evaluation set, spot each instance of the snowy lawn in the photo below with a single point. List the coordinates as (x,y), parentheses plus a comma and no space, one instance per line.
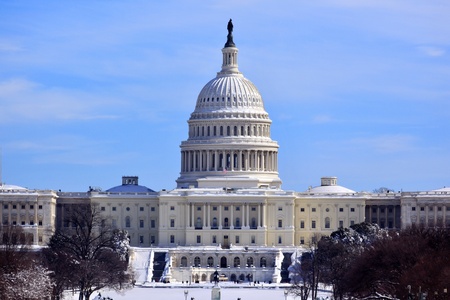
(229,291)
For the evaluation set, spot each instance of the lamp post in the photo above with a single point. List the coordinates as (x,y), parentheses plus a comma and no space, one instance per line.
(186,292)
(285,294)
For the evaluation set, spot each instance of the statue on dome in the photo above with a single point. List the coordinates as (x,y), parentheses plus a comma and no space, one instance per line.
(230,42)
(230,26)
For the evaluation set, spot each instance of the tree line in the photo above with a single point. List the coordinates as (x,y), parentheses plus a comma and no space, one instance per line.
(86,256)
(366,262)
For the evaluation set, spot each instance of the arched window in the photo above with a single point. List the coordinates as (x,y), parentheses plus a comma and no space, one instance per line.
(228,131)
(221,130)
(210,261)
(198,224)
(127,222)
(238,223)
(263,262)
(327,222)
(235,133)
(197,261)
(249,261)
(237,262)
(183,262)
(204,277)
(253,223)
(214,223)
(223,262)
(225,223)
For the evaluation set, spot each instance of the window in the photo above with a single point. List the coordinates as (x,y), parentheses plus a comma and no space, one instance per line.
(31,206)
(199,239)
(141,239)
(249,261)
(31,223)
(313,224)
(302,224)
(280,208)
(313,209)
(214,239)
(253,208)
(5,206)
(238,223)
(214,207)
(141,223)
(40,223)
(238,208)
(152,239)
(352,209)
(197,261)
(40,206)
(152,223)
(341,224)
(237,239)
(40,239)
(183,261)
(128,209)
(421,209)
(413,208)
(141,208)
(172,239)
(113,208)
(327,222)
(253,239)
(114,223)
(210,261)
(302,240)
(22,223)
(152,208)
(302,209)
(279,239)
(172,208)
(263,262)
(14,206)
(23,206)
(225,223)
(225,208)
(236,262)
(214,223)
(253,223)
(280,223)
(341,209)
(127,222)
(198,224)
(199,208)
(172,223)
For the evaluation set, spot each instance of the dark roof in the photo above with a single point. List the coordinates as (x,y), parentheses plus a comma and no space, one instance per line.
(130,188)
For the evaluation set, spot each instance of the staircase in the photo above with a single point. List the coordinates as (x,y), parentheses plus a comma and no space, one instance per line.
(159,262)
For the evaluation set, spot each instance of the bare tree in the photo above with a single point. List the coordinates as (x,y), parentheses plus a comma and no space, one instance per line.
(88,255)
(21,274)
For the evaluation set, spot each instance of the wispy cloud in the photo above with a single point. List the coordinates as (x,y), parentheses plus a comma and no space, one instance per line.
(386,144)
(431,51)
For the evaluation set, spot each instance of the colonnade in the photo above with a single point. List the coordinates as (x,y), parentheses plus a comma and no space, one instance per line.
(225,211)
(230,160)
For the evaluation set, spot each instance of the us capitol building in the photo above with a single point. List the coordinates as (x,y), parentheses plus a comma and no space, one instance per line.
(228,211)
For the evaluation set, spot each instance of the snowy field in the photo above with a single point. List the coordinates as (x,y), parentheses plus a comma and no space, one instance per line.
(229,291)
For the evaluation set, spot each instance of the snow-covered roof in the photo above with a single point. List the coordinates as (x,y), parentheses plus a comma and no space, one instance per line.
(444,189)
(329,186)
(10,187)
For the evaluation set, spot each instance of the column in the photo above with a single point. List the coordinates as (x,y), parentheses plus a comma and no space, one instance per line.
(232,160)
(216,160)
(208,215)
(220,216)
(259,216)
(192,214)
(240,160)
(187,217)
(208,160)
(263,223)
(189,161)
(194,167)
(232,216)
(204,216)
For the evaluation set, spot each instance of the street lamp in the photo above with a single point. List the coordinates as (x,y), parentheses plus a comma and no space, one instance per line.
(285,294)
(186,292)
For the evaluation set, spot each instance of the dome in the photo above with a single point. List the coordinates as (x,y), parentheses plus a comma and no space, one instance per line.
(130,184)
(235,93)
(10,187)
(329,186)
(443,190)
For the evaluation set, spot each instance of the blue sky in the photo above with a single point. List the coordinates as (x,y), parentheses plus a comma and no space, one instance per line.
(93,90)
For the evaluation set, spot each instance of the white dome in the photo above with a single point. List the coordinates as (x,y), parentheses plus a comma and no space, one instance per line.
(328,185)
(10,187)
(230,93)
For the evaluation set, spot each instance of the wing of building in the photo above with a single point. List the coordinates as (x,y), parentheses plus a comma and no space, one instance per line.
(228,210)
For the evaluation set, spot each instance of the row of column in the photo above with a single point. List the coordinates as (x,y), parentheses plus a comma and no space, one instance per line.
(207,215)
(386,214)
(19,215)
(208,131)
(231,160)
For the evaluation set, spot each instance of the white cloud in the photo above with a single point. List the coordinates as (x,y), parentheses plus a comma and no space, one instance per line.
(385,144)
(432,51)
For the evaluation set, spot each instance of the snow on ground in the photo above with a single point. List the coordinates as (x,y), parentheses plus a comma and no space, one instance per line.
(229,291)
